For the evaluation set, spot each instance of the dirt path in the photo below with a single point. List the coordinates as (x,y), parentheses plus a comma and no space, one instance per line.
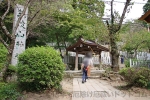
(50,95)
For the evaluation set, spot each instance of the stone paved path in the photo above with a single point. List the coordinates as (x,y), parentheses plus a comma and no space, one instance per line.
(95,89)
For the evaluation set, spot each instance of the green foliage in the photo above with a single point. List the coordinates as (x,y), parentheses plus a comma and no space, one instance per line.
(2,84)
(40,68)
(146,7)
(9,91)
(3,55)
(89,6)
(127,62)
(136,76)
(11,70)
(1,66)
(136,40)
(75,20)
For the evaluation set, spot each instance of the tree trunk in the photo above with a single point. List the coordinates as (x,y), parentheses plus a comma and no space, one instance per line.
(63,39)
(9,57)
(59,46)
(65,48)
(113,29)
(148,49)
(135,53)
(114,53)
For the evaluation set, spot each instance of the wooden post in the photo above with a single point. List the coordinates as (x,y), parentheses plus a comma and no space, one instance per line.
(100,62)
(76,61)
(99,57)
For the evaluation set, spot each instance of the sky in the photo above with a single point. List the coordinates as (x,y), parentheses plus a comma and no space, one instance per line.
(135,13)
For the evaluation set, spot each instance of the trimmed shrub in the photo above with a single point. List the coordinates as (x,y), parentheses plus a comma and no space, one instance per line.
(9,91)
(40,68)
(138,76)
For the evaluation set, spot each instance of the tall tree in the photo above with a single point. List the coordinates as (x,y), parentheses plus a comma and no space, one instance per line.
(146,7)
(113,27)
(39,14)
(75,19)
(8,34)
(134,39)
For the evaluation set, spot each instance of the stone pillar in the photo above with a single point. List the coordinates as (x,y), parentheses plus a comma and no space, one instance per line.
(76,61)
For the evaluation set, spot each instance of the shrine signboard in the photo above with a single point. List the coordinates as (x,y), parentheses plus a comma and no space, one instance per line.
(20,34)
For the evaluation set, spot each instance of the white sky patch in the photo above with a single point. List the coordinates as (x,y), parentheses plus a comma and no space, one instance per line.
(135,12)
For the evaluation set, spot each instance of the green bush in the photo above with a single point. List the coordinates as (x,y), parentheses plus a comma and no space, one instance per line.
(1,66)
(3,55)
(127,63)
(2,84)
(136,76)
(12,70)
(40,68)
(9,91)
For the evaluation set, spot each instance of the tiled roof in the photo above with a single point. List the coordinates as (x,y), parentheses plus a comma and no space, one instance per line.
(83,46)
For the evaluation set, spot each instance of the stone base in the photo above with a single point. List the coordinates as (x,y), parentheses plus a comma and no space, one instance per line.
(76,68)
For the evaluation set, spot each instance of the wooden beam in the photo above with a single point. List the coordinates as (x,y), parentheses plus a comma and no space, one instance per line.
(88,49)
(147,19)
(145,16)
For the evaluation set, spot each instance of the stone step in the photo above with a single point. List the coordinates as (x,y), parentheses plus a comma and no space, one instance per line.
(92,71)
(78,74)
(94,74)
(90,77)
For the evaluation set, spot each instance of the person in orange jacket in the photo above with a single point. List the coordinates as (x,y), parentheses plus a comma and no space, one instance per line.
(86,66)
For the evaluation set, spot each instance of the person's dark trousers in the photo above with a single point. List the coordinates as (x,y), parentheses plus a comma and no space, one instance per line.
(84,76)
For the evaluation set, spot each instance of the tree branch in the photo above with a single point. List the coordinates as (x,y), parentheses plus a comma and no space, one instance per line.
(27,34)
(19,19)
(34,17)
(123,13)
(4,29)
(7,11)
(112,13)
(2,25)
(31,22)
